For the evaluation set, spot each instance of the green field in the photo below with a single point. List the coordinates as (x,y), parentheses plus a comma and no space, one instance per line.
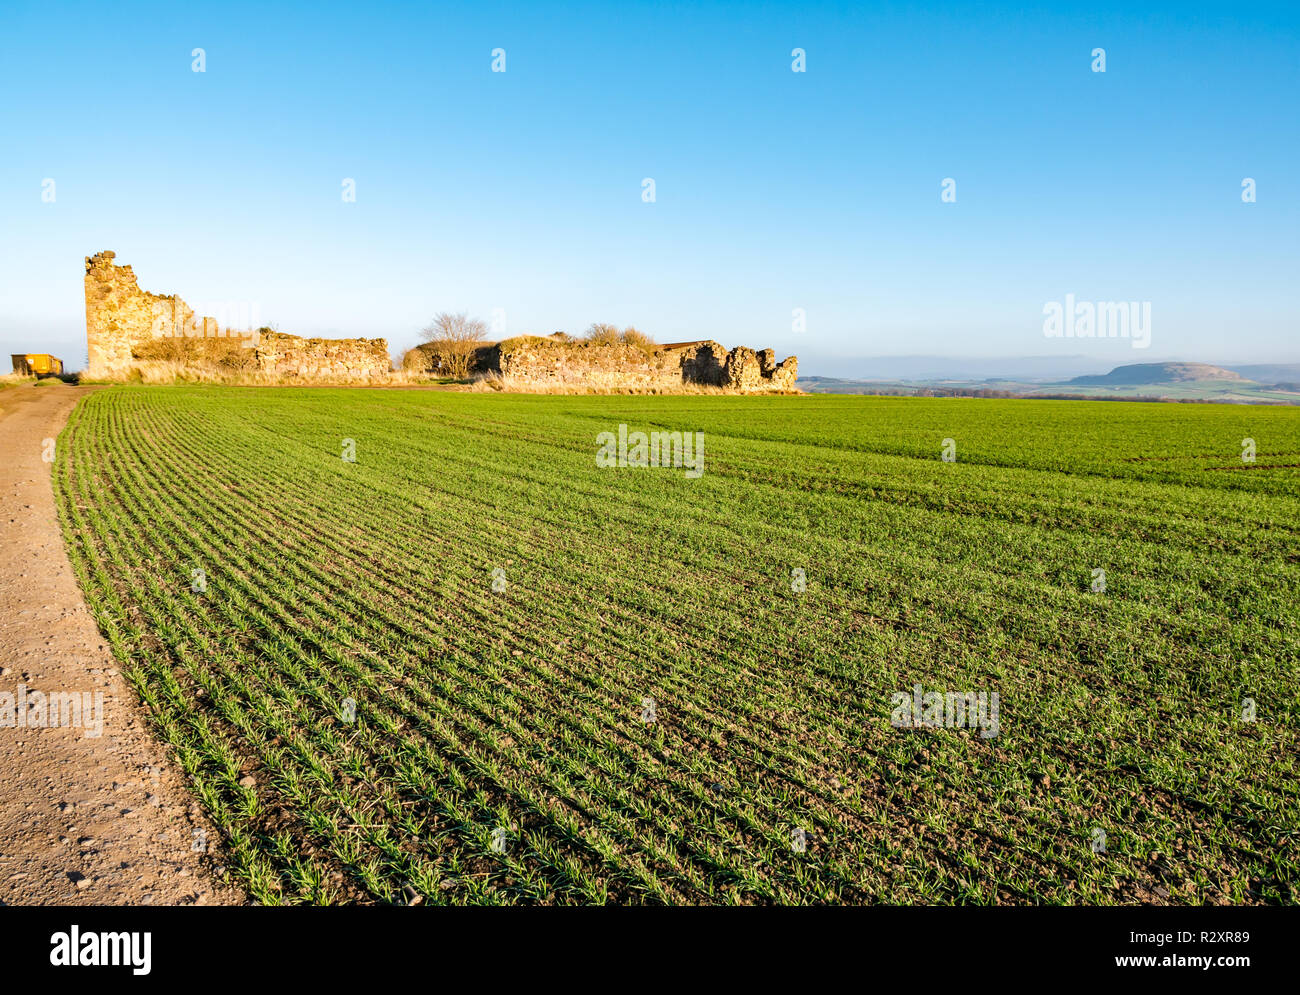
(498,752)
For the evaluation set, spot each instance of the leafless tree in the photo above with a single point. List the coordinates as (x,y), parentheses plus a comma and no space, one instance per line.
(453,338)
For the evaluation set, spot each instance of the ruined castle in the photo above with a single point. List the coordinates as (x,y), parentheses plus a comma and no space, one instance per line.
(131,333)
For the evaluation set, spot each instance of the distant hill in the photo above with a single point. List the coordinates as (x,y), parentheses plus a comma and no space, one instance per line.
(1154,373)
(1162,381)
(1270,372)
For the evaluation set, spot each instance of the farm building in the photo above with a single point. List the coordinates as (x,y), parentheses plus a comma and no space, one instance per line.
(39,363)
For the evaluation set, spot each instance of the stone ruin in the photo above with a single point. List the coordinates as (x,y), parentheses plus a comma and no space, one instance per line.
(559,363)
(125,325)
(742,369)
(283,356)
(130,331)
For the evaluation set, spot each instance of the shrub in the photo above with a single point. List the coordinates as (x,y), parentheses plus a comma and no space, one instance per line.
(635,337)
(599,333)
(418,359)
(198,355)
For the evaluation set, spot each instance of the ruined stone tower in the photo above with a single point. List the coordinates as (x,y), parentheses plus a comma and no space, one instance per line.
(122,320)
(119,315)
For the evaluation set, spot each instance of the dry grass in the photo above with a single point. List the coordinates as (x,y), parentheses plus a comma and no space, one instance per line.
(169,372)
(232,353)
(173,359)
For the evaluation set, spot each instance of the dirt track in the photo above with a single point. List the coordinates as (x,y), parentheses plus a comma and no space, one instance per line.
(84,820)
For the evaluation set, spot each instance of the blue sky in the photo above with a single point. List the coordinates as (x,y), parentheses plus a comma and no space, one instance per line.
(775,190)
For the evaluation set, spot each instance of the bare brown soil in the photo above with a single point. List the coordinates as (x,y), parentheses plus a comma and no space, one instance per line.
(84,819)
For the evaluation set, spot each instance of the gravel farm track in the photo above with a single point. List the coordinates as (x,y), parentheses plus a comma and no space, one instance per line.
(84,819)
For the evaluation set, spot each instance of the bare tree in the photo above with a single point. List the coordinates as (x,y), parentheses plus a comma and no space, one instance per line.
(453,338)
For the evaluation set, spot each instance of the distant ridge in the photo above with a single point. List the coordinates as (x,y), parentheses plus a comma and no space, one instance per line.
(1153,373)
(1168,380)
(1269,372)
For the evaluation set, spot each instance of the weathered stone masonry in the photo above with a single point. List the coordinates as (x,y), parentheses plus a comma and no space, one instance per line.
(288,356)
(121,319)
(533,362)
(119,315)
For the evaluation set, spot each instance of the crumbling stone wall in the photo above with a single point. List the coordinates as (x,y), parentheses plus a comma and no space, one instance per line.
(128,328)
(748,371)
(548,362)
(119,316)
(122,319)
(704,363)
(282,356)
(543,363)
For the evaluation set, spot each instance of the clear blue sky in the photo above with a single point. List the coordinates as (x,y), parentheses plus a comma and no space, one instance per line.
(775,190)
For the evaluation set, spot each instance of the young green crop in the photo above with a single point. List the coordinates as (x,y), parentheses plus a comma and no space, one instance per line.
(434,661)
